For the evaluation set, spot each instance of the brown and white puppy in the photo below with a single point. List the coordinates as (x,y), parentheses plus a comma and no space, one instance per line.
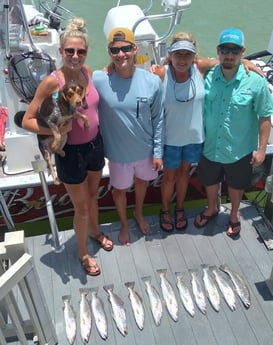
(57,110)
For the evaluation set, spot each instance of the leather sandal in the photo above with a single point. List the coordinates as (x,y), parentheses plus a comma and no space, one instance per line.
(180,219)
(90,269)
(104,241)
(233,229)
(163,221)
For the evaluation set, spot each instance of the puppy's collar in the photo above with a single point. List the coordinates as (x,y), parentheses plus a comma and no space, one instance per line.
(56,96)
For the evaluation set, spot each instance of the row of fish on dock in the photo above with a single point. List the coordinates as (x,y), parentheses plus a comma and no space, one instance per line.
(213,280)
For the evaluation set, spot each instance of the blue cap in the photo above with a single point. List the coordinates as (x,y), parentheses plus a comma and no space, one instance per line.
(232,35)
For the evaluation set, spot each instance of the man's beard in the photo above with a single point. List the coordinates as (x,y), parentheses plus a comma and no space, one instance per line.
(228,64)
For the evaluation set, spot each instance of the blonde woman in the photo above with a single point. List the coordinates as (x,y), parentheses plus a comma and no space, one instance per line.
(81,168)
(182,76)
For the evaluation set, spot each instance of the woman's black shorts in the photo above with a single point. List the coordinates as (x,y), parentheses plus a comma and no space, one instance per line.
(79,159)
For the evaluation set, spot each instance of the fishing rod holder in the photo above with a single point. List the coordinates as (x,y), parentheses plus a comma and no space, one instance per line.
(40,166)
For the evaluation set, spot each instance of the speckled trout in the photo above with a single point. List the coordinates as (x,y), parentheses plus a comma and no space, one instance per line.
(155,301)
(240,285)
(99,313)
(198,291)
(69,320)
(225,288)
(211,288)
(185,294)
(118,311)
(168,295)
(85,316)
(137,305)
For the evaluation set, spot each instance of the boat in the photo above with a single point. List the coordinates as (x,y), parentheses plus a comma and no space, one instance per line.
(38,272)
(34,32)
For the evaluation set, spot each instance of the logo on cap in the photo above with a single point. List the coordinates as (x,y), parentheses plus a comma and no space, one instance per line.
(232,35)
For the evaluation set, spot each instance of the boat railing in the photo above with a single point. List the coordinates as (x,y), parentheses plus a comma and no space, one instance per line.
(21,20)
(56,13)
(19,280)
(15,17)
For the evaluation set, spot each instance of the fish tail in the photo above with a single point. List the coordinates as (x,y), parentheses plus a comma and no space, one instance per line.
(204,266)
(94,290)
(193,270)
(109,287)
(66,298)
(146,279)
(223,267)
(162,271)
(84,291)
(213,267)
(130,284)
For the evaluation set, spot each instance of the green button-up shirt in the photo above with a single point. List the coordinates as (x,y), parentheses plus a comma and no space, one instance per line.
(232,111)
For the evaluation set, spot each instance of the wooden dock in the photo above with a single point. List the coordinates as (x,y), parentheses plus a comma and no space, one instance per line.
(61,274)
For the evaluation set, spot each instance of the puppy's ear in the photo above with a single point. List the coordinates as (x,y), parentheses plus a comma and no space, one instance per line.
(63,93)
(84,103)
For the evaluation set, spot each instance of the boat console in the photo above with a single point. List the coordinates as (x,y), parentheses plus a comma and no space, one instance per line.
(25,34)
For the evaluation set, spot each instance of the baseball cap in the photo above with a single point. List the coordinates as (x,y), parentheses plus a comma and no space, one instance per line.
(121,34)
(182,45)
(232,35)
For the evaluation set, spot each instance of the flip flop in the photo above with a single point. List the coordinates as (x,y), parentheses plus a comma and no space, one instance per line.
(233,229)
(102,239)
(205,217)
(90,269)
(163,221)
(180,219)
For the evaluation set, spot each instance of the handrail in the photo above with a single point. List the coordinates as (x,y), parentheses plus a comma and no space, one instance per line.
(53,12)
(171,15)
(25,25)
(175,16)
(6,26)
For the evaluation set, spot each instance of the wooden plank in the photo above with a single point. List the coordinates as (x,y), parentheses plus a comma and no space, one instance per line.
(59,276)
(62,274)
(37,309)
(239,321)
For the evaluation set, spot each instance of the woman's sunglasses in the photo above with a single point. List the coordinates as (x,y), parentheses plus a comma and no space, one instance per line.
(72,51)
(124,49)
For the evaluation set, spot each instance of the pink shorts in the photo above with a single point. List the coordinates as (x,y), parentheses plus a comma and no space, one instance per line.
(122,175)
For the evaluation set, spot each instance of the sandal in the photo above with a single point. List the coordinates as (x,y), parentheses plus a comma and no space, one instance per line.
(104,241)
(91,269)
(233,229)
(205,217)
(180,219)
(163,222)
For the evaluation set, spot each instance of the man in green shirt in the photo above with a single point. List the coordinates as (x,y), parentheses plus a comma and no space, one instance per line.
(237,123)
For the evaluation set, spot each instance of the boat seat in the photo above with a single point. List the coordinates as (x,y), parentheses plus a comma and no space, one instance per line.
(127,16)
(33,16)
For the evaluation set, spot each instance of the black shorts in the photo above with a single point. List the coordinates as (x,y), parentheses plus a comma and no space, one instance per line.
(236,175)
(79,159)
